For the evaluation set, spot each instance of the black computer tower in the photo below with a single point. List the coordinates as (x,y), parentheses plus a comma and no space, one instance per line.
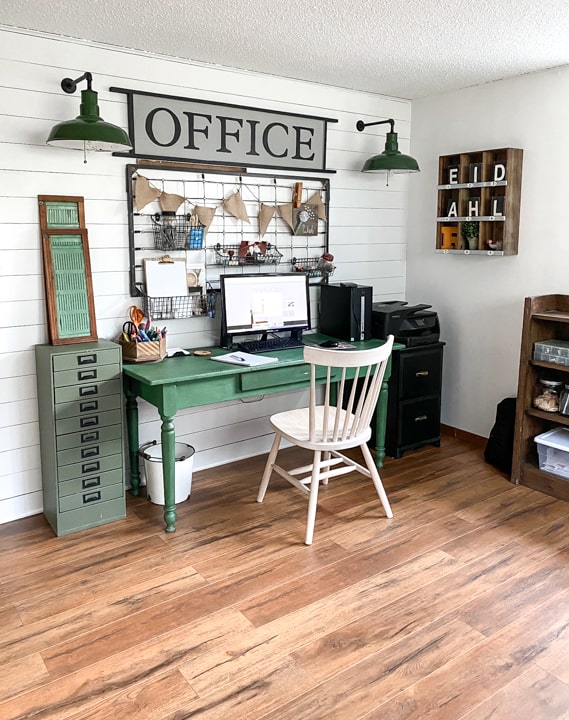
(345,311)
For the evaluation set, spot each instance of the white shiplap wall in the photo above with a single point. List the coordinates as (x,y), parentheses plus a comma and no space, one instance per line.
(367,226)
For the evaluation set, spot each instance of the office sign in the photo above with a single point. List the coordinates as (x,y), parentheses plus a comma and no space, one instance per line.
(183,129)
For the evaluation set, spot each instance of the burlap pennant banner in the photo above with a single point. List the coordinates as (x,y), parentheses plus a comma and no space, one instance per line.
(144,192)
(236,207)
(316,199)
(266,213)
(205,215)
(285,211)
(170,202)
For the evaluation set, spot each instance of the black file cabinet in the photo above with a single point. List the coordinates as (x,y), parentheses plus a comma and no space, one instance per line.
(414,407)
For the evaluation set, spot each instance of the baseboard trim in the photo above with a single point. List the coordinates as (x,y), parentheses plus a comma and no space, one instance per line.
(463,435)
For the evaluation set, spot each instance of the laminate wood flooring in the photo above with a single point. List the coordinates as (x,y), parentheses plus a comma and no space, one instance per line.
(455,609)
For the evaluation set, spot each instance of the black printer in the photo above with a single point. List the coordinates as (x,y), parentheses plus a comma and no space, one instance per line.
(411,325)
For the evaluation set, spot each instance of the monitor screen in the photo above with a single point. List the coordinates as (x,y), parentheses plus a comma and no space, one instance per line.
(264,303)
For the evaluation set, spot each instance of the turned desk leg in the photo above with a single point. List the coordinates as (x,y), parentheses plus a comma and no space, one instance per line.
(381,424)
(168,437)
(132,434)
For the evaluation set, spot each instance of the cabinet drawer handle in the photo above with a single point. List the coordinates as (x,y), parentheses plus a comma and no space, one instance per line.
(86,359)
(88,390)
(90,436)
(88,406)
(420,418)
(92,497)
(87,374)
(91,482)
(422,373)
(92,421)
(90,467)
(90,452)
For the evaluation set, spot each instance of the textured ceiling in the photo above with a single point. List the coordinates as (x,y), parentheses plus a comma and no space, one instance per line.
(401,48)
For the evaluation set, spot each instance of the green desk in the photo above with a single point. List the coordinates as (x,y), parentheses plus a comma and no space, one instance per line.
(190,381)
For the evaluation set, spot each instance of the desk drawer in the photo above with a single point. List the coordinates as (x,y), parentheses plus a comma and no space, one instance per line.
(90,498)
(87,437)
(89,467)
(273,377)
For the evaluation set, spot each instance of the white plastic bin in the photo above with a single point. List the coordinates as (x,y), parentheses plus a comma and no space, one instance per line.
(152,454)
(553,451)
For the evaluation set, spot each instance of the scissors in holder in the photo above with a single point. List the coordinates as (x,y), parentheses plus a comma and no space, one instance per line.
(129,331)
(136,315)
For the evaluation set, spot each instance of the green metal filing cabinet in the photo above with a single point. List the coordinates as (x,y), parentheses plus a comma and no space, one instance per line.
(81,434)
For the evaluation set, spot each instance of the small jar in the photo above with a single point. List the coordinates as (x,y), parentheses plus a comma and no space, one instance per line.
(546,397)
(564,400)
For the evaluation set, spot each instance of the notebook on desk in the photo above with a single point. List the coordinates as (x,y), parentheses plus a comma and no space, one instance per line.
(247,359)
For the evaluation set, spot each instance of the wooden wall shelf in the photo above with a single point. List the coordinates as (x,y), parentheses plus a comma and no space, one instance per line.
(482,188)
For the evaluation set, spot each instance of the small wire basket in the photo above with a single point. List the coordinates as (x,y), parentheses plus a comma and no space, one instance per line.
(313,266)
(228,255)
(171,231)
(179,307)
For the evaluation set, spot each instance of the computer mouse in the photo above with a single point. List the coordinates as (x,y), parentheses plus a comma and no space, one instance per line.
(329,344)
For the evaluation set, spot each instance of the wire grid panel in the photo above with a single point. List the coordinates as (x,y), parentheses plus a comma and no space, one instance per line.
(230,208)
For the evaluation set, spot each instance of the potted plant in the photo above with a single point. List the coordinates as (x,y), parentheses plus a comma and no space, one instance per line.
(470,232)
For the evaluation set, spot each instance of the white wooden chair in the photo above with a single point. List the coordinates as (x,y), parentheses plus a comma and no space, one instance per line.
(326,430)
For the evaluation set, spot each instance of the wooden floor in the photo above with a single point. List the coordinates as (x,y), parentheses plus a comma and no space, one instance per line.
(456,608)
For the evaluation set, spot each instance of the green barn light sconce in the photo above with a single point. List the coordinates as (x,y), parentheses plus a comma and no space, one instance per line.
(88,131)
(390,160)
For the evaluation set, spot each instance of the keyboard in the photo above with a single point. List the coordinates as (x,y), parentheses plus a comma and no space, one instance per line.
(270,345)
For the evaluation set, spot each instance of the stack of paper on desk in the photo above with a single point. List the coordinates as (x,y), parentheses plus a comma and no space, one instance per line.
(242,358)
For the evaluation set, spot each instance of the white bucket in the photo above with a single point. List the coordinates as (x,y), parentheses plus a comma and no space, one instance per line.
(152,454)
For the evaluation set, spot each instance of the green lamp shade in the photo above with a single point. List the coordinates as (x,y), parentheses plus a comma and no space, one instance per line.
(88,131)
(391,160)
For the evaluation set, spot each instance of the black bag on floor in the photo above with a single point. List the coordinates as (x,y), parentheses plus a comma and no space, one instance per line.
(500,445)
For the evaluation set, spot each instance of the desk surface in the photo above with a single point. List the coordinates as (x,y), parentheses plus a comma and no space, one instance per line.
(191,368)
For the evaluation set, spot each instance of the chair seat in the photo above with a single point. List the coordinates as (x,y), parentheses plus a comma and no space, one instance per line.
(294,426)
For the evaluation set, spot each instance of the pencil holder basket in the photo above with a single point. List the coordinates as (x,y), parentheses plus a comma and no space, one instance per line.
(151,351)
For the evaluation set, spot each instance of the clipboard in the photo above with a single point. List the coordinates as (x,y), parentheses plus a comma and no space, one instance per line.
(165,277)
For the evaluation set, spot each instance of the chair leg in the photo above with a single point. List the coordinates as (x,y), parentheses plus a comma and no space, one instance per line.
(325,458)
(269,468)
(313,500)
(372,467)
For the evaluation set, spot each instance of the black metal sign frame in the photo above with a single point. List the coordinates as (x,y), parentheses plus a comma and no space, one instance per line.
(170,127)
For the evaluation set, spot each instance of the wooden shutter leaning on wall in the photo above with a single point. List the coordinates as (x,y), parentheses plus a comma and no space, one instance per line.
(67,270)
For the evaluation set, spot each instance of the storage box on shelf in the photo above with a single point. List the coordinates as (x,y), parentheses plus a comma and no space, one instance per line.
(478,202)
(553,451)
(546,320)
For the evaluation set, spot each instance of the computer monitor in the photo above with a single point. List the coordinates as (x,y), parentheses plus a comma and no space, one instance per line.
(264,303)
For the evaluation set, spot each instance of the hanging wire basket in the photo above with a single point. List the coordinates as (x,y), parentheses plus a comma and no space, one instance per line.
(228,255)
(171,231)
(179,307)
(313,266)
